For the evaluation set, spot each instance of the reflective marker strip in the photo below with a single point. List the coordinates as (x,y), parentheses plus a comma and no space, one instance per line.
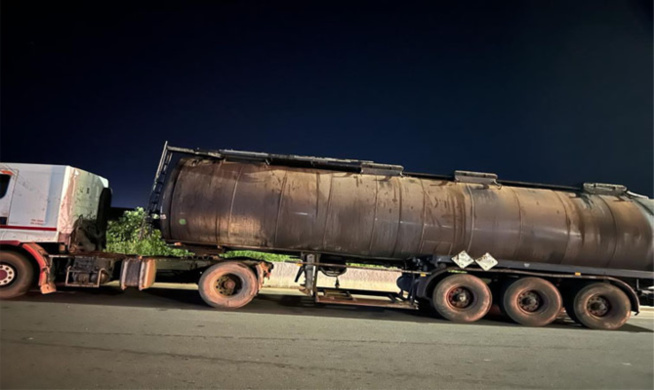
(47,229)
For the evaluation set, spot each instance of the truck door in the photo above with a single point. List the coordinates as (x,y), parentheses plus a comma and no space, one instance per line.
(7,183)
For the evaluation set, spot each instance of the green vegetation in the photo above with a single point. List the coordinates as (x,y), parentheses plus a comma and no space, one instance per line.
(369,265)
(260,256)
(124,236)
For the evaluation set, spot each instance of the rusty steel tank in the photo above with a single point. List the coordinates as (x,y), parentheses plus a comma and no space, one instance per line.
(374,211)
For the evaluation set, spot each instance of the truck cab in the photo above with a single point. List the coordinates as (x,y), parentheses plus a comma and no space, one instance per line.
(47,210)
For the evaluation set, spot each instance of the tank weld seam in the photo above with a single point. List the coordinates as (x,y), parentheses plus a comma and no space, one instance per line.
(520,221)
(211,186)
(231,206)
(374,217)
(472,217)
(568,224)
(317,196)
(615,231)
(279,206)
(327,212)
(458,232)
(421,243)
(399,221)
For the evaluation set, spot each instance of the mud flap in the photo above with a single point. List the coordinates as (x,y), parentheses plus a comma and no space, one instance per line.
(138,273)
(46,278)
(263,272)
(48,288)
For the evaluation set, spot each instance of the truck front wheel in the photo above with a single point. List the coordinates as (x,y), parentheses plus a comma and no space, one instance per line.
(16,275)
(531,301)
(228,285)
(601,306)
(462,298)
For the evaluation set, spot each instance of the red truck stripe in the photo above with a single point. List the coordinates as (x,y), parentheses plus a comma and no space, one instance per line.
(47,229)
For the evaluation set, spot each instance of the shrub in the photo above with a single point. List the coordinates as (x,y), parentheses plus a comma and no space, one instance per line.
(124,236)
(259,256)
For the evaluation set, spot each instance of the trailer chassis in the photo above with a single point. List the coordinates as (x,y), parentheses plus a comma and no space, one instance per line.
(423,281)
(420,281)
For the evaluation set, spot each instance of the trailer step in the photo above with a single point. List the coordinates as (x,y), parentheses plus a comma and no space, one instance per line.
(363,298)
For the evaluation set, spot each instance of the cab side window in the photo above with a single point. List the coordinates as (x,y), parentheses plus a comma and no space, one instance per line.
(4,184)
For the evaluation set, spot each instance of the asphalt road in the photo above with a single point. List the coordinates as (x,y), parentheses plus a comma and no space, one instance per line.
(169,339)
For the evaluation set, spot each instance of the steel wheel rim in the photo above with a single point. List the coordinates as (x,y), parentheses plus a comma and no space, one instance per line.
(530,301)
(460,298)
(228,285)
(7,274)
(598,306)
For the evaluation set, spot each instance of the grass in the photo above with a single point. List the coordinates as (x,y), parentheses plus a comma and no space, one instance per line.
(272,257)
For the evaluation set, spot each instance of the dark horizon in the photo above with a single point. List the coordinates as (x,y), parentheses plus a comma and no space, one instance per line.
(558,93)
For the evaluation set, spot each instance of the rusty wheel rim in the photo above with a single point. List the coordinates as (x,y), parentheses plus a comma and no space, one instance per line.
(530,301)
(598,306)
(228,285)
(7,274)
(460,298)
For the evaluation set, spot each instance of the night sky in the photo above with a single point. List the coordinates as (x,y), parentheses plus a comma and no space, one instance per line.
(555,93)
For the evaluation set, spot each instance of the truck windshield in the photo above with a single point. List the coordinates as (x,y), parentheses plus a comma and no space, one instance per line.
(4,184)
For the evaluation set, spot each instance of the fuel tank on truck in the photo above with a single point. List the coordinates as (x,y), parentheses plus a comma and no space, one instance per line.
(379,212)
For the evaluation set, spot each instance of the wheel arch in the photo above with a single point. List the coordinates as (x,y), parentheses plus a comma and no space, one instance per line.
(426,285)
(631,294)
(17,247)
(37,256)
(623,286)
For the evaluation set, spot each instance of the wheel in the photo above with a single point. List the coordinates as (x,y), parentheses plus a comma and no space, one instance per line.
(462,298)
(16,275)
(531,301)
(228,285)
(601,306)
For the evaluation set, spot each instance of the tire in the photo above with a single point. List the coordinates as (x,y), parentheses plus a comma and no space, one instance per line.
(531,301)
(16,275)
(601,306)
(228,285)
(462,298)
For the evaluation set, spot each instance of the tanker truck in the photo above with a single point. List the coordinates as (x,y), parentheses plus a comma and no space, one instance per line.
(462,242)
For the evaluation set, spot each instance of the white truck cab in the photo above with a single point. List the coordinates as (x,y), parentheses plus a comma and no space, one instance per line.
(47,211)
(52,204)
